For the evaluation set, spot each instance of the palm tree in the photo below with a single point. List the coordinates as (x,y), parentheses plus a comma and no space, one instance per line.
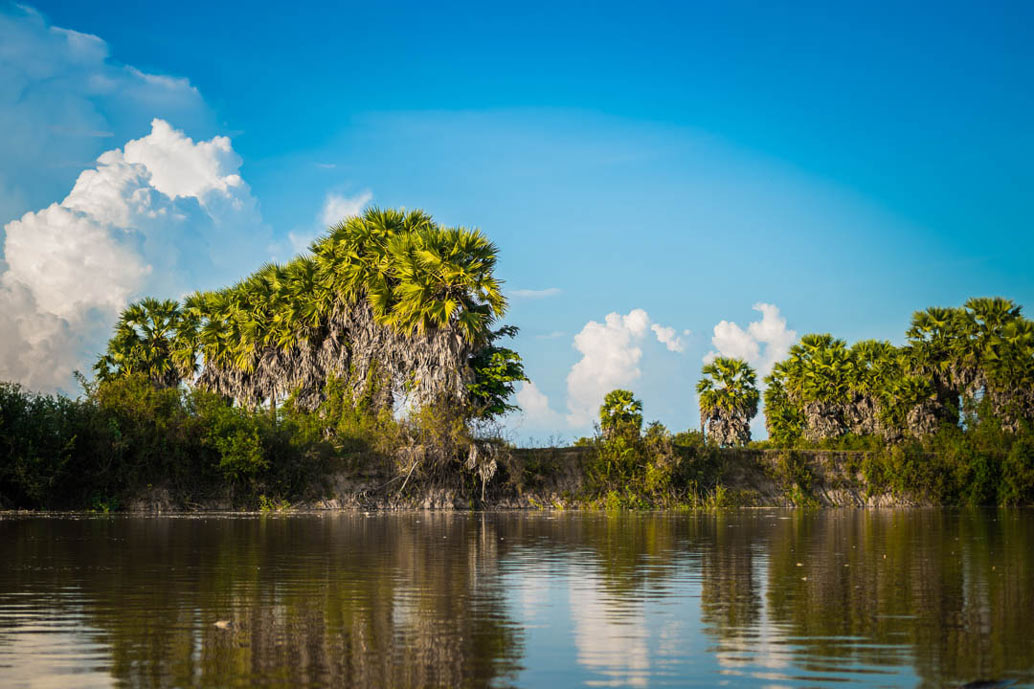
(621,415)
(818,375)
(728,400)
(784,418)
(874,364)
(144,344)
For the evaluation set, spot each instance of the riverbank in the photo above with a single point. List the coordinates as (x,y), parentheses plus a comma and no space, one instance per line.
(561,479)
(128,446)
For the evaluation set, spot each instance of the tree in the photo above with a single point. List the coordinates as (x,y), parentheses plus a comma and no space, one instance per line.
(621,415)
(495,369)
(144,343)
(728,400)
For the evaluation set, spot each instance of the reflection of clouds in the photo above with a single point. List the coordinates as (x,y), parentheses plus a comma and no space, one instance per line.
(763,647)
(610,637)
(533,586)
(53,654)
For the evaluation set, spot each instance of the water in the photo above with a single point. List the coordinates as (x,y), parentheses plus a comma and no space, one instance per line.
(755,598)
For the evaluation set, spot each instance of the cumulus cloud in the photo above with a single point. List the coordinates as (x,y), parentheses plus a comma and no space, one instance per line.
(535,293)
(668,337)
(762,344)
(163,215)
(536,411)
(611,353)
(61,96)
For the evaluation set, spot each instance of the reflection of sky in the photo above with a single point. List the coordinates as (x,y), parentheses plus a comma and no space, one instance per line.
(578,631)
(52,651)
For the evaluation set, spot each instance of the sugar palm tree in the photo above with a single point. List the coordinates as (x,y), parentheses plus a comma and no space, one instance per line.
(143,343)
(728,400)
(621,415)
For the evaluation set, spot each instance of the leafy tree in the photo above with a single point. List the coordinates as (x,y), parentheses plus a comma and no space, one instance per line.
(496,369)
(388,298)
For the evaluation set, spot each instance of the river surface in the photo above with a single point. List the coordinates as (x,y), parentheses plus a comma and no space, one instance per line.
(758,598)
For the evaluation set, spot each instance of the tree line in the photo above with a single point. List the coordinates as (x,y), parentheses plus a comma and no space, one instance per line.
(958,366)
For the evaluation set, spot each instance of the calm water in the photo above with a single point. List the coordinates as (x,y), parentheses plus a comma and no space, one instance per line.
(756,598)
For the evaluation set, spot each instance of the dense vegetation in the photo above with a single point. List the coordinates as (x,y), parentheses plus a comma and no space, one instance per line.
(260,390)
(376,355)
(947,418)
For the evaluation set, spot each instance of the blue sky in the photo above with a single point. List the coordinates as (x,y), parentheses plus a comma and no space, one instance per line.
(846,163)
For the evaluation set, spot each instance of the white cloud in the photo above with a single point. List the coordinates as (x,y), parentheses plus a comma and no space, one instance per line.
(181,168)
(610,359)
(61,95)
(535,293)
(667,337)
(535,410)
(164,215)
(762,344)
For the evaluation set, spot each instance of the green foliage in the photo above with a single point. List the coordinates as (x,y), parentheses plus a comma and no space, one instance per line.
(979,356)
(621,415)
(38,437)
(728,400)
(236,434)
(129,436)
(496,369)
(291,327)
(628,469)
(796,479)
(1018,473)
(146,342)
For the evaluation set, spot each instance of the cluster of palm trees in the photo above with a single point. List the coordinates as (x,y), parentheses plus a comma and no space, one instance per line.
(977,358)
(389,300)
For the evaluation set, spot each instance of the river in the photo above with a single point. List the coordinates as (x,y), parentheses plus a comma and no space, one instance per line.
(756,598)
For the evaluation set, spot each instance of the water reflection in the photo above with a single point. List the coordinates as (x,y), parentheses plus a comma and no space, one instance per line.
(762,598)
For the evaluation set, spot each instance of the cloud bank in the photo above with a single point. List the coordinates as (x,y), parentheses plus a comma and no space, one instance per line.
(163,215)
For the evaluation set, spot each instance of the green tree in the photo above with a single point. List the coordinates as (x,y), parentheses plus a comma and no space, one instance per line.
(144,343)
(496,369)
(728,400)
(621,415)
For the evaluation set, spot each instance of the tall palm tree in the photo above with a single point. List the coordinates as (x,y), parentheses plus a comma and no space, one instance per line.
(728,400)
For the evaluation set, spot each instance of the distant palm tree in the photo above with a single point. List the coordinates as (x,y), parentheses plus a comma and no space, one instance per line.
(728,400)
(621,415)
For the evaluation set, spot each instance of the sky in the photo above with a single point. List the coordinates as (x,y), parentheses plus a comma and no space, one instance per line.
(665,182)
